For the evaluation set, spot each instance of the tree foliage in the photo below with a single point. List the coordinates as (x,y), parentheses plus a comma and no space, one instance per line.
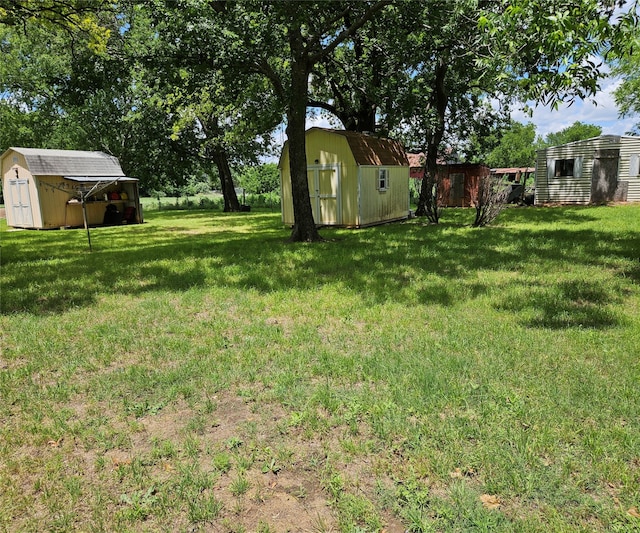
(627,94)
(78,18)
(626,65)
(516,148)
(232,110)
(61,94)
(551,48)
(522,50)
(260,179)
(578,131)
(172,86)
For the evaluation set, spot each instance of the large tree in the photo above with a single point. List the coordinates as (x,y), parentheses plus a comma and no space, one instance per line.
(313,30)
(231,111)
(455,54)
(284,41)
(362,82)
(540,50)
(62,94)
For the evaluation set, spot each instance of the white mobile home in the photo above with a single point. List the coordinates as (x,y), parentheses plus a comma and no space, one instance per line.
(46,189)
(598,170)
(355,180)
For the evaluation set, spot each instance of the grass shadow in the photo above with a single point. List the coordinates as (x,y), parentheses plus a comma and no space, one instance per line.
(446,264)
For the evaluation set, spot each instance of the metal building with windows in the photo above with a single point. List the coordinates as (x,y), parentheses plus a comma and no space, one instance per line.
(593,171)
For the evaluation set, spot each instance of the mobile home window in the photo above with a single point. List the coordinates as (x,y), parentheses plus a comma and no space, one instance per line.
(564,167)
(383,179)
(634,165)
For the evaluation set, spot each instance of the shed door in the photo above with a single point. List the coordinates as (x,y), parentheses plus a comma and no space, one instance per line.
(604,176)
(324,190)
(20,202)
(456,193)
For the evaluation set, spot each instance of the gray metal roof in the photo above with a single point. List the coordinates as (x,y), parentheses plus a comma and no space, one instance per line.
(43,162)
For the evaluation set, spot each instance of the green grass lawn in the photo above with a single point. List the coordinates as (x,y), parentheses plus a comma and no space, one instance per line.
(200,372)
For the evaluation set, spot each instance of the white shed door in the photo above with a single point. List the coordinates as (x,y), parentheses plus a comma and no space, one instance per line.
(324,191)
(20,203)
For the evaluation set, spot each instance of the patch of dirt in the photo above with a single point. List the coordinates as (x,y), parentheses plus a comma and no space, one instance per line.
(285,469)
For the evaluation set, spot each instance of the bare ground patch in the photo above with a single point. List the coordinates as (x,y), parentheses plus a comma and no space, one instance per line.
(158,478)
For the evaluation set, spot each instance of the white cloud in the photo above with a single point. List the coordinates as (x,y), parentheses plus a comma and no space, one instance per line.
(601,110)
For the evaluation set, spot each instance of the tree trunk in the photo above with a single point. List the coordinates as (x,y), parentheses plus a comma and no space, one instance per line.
(304,227)
(231,203)
(429,201)
(218,155)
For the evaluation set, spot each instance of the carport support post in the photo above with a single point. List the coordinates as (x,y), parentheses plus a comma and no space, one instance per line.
(84,216)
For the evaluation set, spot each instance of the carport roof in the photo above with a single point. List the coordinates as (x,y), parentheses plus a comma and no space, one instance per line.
(98,179)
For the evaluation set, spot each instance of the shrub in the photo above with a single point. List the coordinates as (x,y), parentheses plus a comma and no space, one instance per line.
(489,200)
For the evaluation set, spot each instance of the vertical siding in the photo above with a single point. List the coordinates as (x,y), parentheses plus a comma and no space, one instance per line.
(53,203)
(350,192)
(7,163)
(325,148)
(381,206)
(470,174)
(629,146)
(361,203)
(49,196)
(8,173)
(569,189)
(286,200)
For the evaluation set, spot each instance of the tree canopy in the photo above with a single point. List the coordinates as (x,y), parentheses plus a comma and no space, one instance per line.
(626,65)
(578,131)
(171,86)
(516,148)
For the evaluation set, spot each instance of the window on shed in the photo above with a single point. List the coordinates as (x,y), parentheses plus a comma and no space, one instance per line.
(634,165)
(564,167)
(383,179)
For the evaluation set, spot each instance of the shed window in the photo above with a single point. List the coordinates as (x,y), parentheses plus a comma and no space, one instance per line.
(564,167)
(634,165)
(383,179)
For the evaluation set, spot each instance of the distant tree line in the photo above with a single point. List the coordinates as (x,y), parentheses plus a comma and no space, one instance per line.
(516,145)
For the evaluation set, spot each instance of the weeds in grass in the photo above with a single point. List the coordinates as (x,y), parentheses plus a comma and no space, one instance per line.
(204,508)
(139,504)
(222,462)
(147,385)
(240,485)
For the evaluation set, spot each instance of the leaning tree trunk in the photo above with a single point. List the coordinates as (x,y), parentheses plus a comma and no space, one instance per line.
(231,203)
(304,227)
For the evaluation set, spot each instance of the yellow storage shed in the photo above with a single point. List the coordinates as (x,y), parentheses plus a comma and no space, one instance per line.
(45,189)
(355,180)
